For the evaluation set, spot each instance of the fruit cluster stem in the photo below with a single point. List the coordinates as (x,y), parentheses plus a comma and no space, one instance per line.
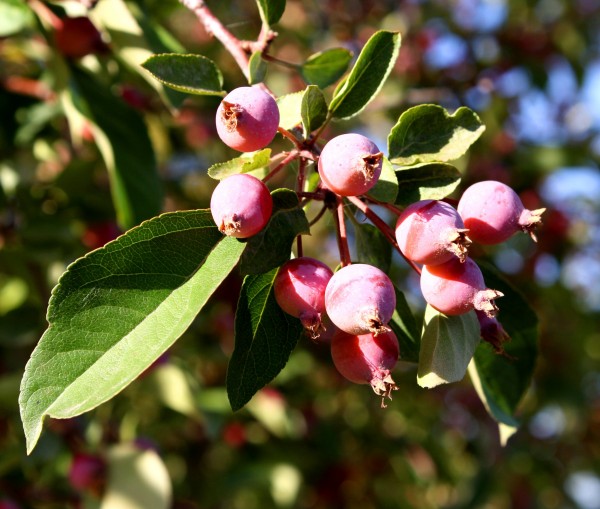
(288,159)
(342,234)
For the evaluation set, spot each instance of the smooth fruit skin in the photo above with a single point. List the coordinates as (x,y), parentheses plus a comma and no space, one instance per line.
(431,232)
(77,37)
(493,213)
(241,205)
(350,164)
(299,289)
(360,298)
(247,119)
(455,288)
(367,359)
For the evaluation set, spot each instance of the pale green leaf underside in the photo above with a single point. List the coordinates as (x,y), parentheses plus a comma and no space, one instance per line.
(290,109)
(118,309)
(386,188)
(243,164)
(447,346)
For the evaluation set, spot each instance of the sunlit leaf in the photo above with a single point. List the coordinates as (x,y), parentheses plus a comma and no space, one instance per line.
(313,109)
(271,10)
(386,188)
(15,15)
(326,67)
(257,68)
(242,164)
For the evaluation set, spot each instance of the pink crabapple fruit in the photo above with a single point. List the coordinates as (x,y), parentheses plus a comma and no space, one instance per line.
(455,288)
(493,212)
(492,331)
(367,359)
(241,205)
(431,232)
(247,119)
(299,289)
(360,298)
(350,164)
(77,37)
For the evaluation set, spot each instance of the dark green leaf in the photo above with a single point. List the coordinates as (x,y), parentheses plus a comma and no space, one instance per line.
(372,246)
(116,310)
(193,74)
(503,380)
(427,133)
(447,346)
(272,246)
(271,10)
(386,188)
(404,325)
(257,68)
(313,110)
(427,181)
(265,336)
(122,137)
(15,15)
(326,67)
(242,164)
(366,78)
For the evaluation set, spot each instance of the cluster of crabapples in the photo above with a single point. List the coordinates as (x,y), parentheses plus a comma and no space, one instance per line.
(353,306)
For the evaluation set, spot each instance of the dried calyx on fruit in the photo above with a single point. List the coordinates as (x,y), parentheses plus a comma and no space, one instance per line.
(367,359)
(431,232)
(492,331)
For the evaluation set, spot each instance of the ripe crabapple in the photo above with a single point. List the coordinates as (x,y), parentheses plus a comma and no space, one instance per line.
(241,205)
(360,298)
(367,359)
(77,37)
(87,472)
(300,291)
(350,164)
(454,288)
(431,232)
(247,119)
(493,212)
(492,331)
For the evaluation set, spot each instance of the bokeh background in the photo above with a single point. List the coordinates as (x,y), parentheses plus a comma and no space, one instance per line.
(529,68)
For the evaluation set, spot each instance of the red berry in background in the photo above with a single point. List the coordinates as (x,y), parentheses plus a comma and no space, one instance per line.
(78,37)
(431,232)
(87,473)
(367,359)
(247,119)
(492,331)
(350,164)
(300,291)
(241,205)
(455,288)
(360,298)
(493,212)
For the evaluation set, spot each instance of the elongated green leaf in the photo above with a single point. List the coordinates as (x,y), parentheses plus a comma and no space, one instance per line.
(504,380)
(386,188)
(15,15)
(265,336)
(271,10)
(313,109)
(372,246)
(447,346)
(290,109)
(326,67)
(193,74)
(366,78)
(272,246)
(118,309)
(242,164)
(427,181)
(257,68)
(427,133)
(404,325)
(123,140)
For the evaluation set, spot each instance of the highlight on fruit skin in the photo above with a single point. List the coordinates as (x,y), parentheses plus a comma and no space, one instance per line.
(493,213)
(241,205)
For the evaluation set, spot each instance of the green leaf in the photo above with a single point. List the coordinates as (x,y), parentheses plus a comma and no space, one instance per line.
(326,67)
(427,133)
(243,164)
(271,247)
(193,74)
(290,110)
(427,181)
(386,188)
(15,15)
(116,310)
(447,346)
(271,10)
(265,336)
(123,140)
(366,78)
(504,380)
(313,110)
(404,325)
(372,246)
(257,68)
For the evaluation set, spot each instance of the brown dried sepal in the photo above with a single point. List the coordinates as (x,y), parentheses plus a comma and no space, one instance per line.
(371,163)
(458,242)
(230,114)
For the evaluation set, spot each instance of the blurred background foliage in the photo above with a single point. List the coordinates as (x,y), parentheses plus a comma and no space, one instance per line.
(531,69)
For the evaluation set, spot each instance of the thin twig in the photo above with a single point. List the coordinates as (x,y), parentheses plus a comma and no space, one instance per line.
(342,234)
(287,160)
